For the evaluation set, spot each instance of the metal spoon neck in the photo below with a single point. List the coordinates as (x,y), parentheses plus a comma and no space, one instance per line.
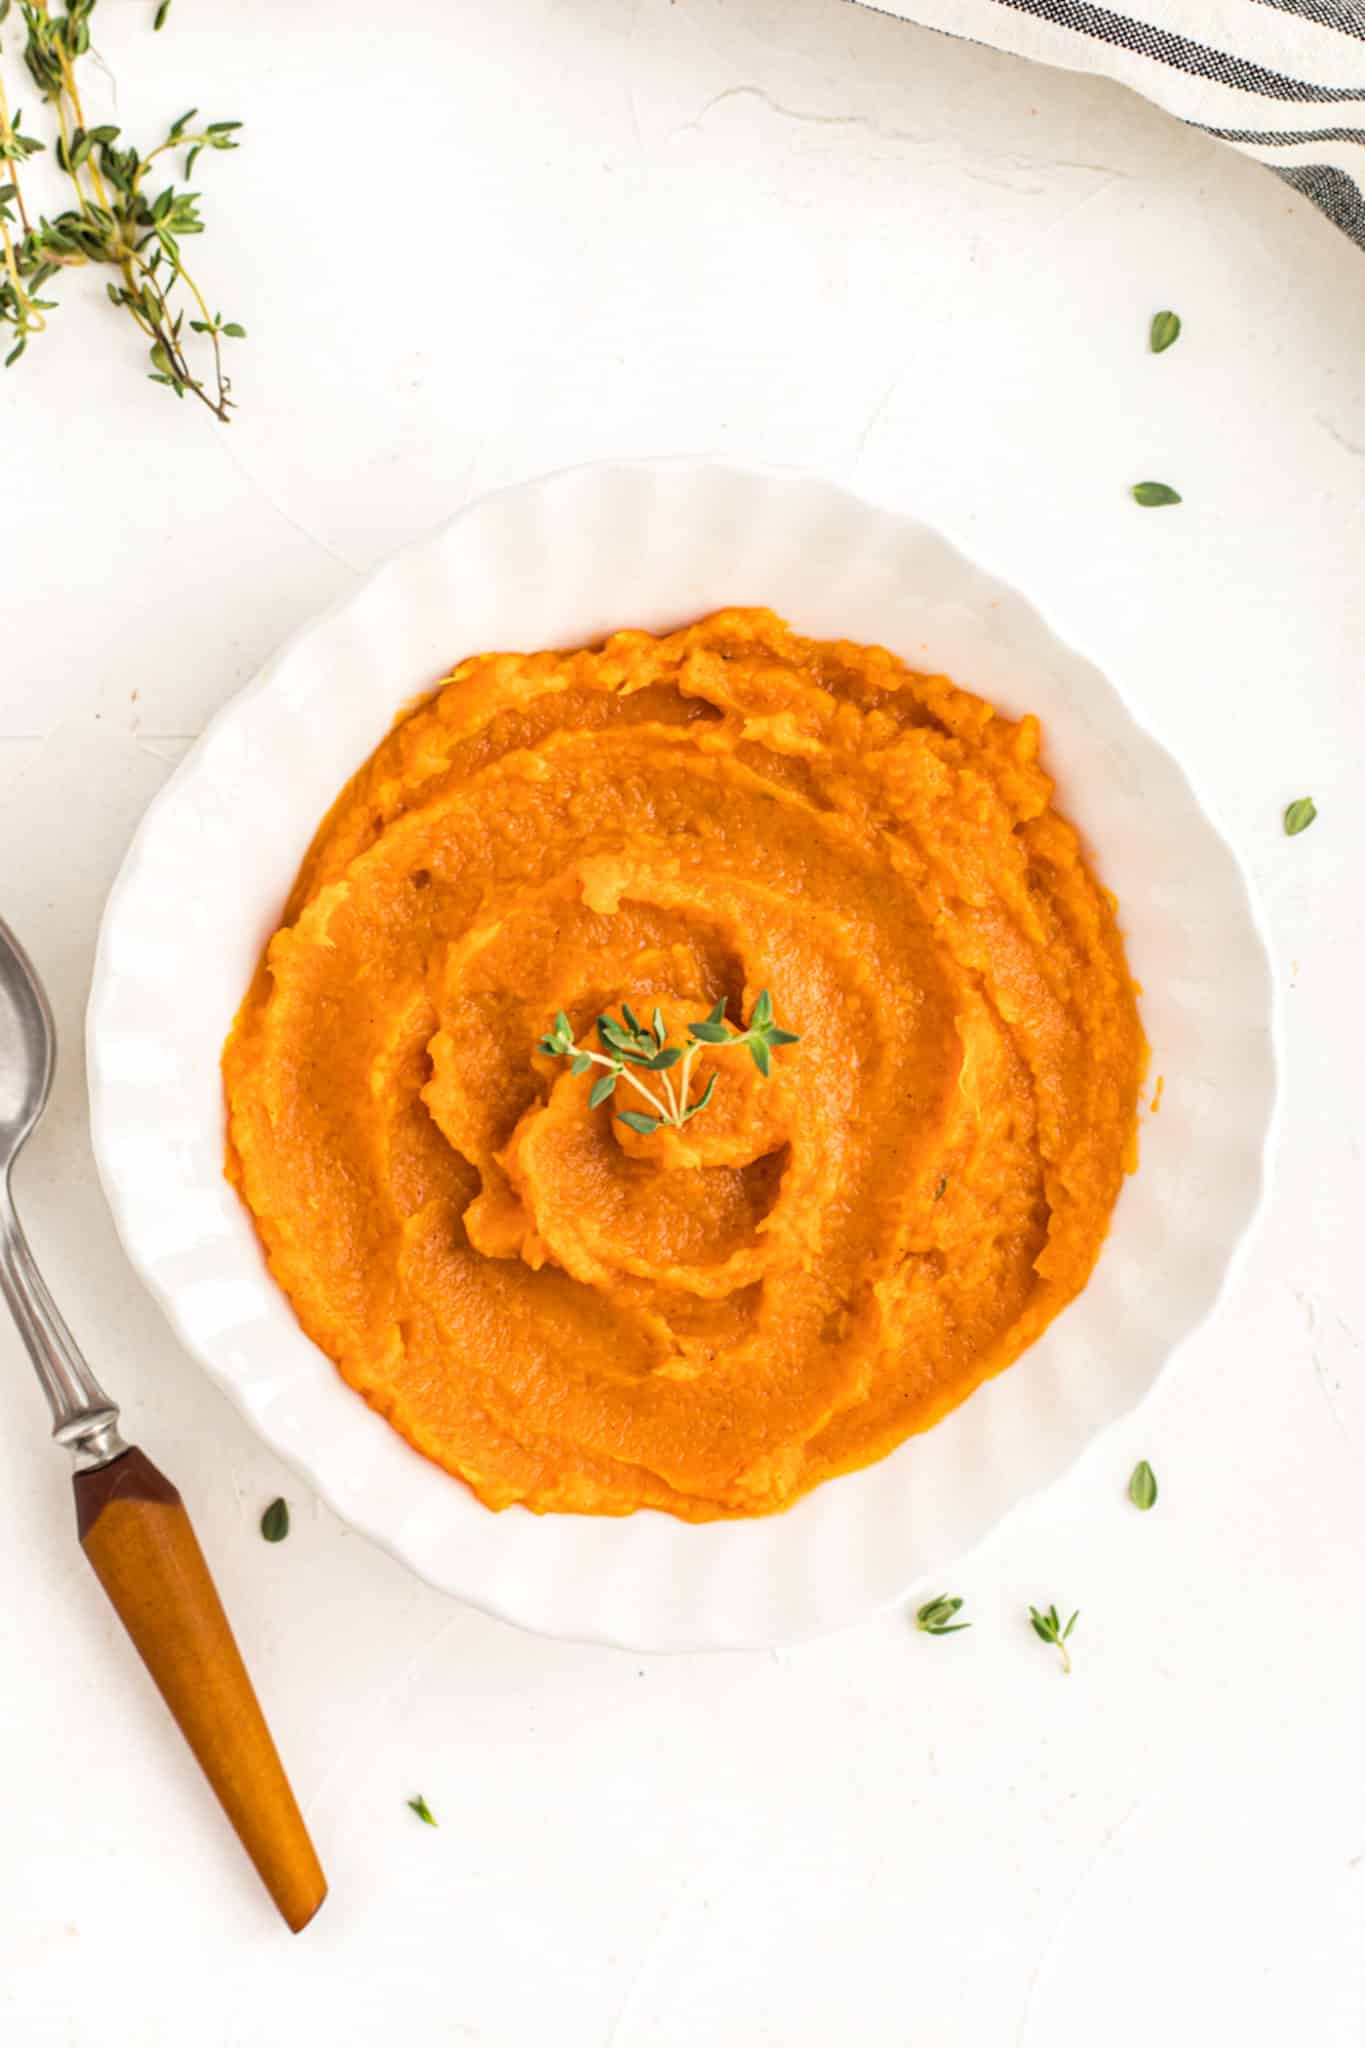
(84,1418)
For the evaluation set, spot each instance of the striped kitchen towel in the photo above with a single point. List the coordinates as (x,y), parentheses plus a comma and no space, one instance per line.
(1282,80)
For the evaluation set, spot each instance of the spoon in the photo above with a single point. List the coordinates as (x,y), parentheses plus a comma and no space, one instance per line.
(130,1520)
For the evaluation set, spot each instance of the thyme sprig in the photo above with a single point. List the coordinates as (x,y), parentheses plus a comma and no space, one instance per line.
(1048,1628)
(761,1036)
(115,220)
(629,1049)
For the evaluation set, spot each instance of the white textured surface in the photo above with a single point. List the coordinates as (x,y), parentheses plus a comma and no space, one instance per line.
(557,563)
(773,230)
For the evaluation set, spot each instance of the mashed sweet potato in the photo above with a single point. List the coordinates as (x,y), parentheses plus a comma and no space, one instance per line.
(577,1317)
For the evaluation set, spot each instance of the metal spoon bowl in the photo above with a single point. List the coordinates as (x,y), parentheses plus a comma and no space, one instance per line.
(28,1049)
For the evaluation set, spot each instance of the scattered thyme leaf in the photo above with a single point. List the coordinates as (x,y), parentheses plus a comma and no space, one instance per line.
(423,1811)
(1156,494)
(275,1521)
(1142,1487)
(1165,332)
(1299,816)
(935,1618)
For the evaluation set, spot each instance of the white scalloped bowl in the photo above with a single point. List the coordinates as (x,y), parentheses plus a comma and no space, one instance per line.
(560,562)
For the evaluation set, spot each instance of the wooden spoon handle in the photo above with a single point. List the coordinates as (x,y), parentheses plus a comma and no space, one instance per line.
(135,1532)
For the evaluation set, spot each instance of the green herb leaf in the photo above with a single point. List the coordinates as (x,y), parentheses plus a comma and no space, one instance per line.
(638,1122)
(1165,331)
(935,1618)
(1156,494)
(159,22)
(112,221)
(630,1051)
(707,1092)
(1047,1626)
(275,1521)
(419,1805)
(1142,1487)
(1299,816)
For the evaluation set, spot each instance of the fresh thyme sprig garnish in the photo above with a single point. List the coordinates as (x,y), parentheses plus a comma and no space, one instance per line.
(630,1049)
(114,220)
(1048,1628)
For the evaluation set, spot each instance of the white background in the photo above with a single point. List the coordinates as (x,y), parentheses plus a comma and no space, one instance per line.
(473,242)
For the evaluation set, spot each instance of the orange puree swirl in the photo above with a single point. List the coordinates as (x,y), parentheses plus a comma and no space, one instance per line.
(572,1315)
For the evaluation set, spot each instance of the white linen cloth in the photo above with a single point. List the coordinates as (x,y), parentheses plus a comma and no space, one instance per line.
(1282,80)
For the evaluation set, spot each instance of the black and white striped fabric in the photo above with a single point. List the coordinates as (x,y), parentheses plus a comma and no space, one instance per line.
(1282,80)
